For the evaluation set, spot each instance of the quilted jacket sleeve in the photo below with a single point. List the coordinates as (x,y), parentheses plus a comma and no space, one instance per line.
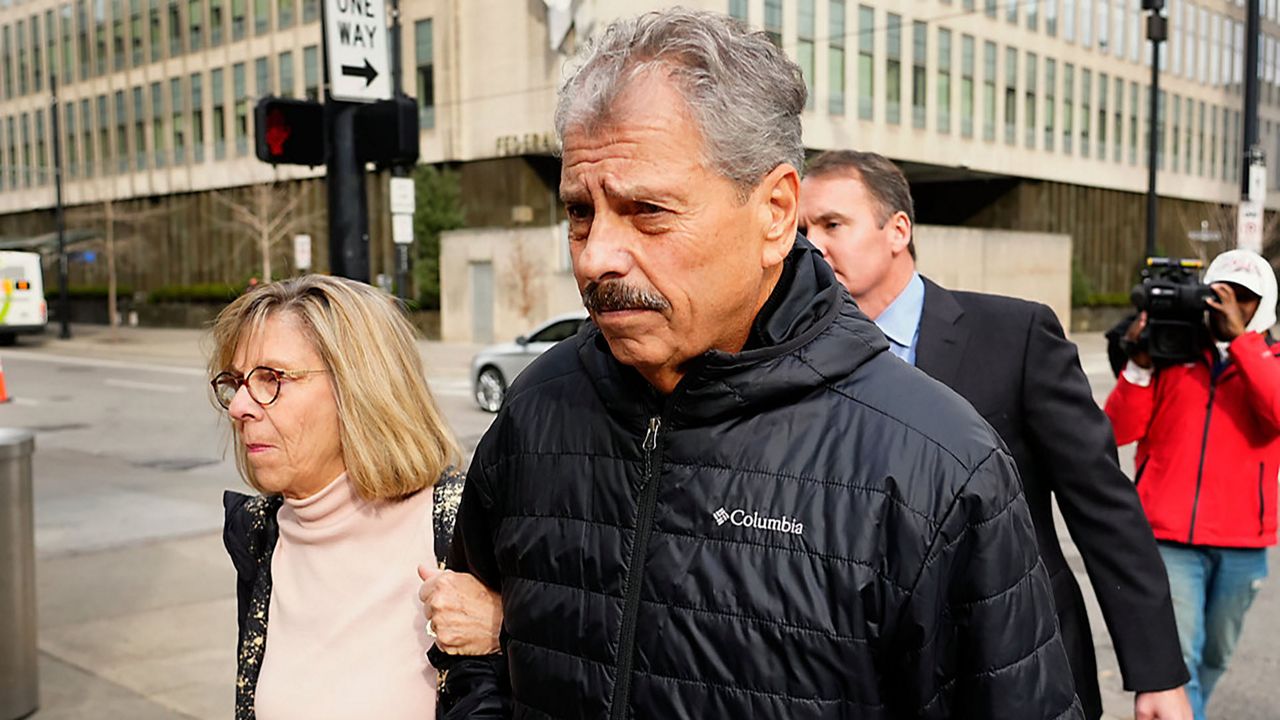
(981,613)
(474,686)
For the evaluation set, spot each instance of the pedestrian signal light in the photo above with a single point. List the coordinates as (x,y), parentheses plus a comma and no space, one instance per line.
(289,132)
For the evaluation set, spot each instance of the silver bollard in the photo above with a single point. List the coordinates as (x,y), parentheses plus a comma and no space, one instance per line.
(19,682)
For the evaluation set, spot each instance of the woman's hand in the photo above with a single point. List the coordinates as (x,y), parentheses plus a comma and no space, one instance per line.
(462,613)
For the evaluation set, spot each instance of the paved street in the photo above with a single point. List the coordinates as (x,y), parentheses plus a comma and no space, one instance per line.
(136,597)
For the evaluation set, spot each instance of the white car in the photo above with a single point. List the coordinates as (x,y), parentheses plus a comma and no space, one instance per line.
(494,368)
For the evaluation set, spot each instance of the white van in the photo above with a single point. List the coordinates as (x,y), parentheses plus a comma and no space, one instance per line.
(23,309)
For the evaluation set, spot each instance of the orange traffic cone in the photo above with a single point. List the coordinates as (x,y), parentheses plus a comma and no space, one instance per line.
(4,393)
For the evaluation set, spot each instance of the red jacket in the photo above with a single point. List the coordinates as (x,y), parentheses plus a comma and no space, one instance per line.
(1208,448)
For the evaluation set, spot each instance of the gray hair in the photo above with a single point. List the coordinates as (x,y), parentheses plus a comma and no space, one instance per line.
(742,91)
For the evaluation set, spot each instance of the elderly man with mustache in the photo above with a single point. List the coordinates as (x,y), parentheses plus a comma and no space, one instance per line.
(725,498)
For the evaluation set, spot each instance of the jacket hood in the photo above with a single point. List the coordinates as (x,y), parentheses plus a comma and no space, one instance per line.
(808,333)
(1250,270)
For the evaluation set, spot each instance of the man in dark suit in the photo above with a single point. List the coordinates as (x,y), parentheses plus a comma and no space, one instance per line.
(1010,360)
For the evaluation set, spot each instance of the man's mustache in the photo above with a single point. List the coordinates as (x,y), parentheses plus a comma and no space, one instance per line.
(615,295)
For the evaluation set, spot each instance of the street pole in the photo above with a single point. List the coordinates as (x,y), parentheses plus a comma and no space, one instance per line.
(1157,31)
(64,299)
(1253,175)
(344,182)
(398,170)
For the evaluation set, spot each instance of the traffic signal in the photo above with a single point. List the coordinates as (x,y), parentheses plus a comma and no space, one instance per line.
(387,132)
(289,132)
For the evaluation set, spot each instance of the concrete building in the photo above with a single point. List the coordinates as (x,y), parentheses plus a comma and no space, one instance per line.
(1026,115)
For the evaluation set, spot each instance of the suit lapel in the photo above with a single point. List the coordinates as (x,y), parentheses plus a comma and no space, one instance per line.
(940,349)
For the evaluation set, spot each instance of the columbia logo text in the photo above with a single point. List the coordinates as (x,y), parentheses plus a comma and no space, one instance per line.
(756,521)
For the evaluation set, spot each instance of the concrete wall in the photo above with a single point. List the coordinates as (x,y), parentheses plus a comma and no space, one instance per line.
(531,269)
(1028,265)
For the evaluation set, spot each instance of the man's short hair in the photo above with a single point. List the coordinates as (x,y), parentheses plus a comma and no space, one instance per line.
(884,182)
(743,92)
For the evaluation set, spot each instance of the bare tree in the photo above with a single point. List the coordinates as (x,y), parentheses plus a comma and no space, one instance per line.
(525,277)
(134,222)
(268,214)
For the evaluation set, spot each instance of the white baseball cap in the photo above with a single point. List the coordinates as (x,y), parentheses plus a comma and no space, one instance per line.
(1252,271)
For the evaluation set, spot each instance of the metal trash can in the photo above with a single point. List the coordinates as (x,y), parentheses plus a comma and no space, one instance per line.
(19,684)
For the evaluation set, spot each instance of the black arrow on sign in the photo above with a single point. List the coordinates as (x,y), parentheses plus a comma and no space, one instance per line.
(367,72)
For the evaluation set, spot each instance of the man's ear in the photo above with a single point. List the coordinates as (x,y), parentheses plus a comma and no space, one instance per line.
(778,198)
(899,227)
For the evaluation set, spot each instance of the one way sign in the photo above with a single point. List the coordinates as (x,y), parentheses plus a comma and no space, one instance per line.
(357,44)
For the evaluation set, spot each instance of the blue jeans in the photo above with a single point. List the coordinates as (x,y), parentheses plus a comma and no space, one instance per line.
(1212,589)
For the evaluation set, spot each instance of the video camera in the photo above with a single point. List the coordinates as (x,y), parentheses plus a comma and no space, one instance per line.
(1174,299)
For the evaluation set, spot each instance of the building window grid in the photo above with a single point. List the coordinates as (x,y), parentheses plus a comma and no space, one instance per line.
(1189,105)
(237,20)
(51,42)
(919,72)
(1103,90)
(241,94)
(13,154)
(65,49)
(1010,95)
(773,21)
(311,72)
(118,54)
(155,22)
(37,52)
(424,58)
(139,129)
(1213,140)
(1050,102)
(217,91)
(1117,112)
(893,69)
(195,24)
(26,150)
(866,62)
(1161,116)
(197,118)
(137,36)
(836,83)
(158,140)
(1200,145)
(1011,12)
(989,91)
(284,14)
(1069,20)
(104,139)
(100,36)
(262,77)
(20,34)
(1068,106)
(1102,26)
(216,20)
(805,52)
(311,11)
(1086,111)
(1175,140)
(1032,14)
(967,63)
(1029,93)
(284,66)
(944,81)
(42,157)
(82,34)
(989,7)
(1051,18)
(1133,123)
(738,9)
(71,136)
(175,28)
(122,134)
(178,120)
(261,17)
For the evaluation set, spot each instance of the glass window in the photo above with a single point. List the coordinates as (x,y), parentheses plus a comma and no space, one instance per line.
(1068,106)
(1200,142)
(42,159)
(13,154)
(1118,31)
(26,150)
(1086,23)
(100,36)
(197,118)
(261,17)
(1029,93)
(137,34)
(1213,141)
(217,92)
(241,92)
(424,48)
(262,77)
(893,69)
(773,21)
(1103,91)
(555,333)
(82,34)
(989,91)
(1117,135)
(1190,120)
(919,77)
(178,120)
(1103,25)
(6,46)
(1175,141)
(158,140)
(104,139)
(118,50)
(175,28)
(804,46)
(237,20)
(1011,12)
(122,134)
(835,57)
(20,33)
(738,9)
(195,24)
(1050,101)
(1033,14)
(310,10)
(284,65)
(65,49)
(284,14)
(967,63)
(50,42)
(216,20)
(311,72)
(37,55)
(139,128)
(1051,18)
(1133,123)
(1069,20)
(1010,95)
(70,137)
(156,30)
(1086,111)
(989,7)
(944,80)
(866,61)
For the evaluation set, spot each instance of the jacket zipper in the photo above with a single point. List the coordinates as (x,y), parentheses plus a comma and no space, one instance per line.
(635,573)
(1204,446)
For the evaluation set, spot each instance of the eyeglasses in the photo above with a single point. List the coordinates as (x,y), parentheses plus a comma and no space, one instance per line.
(262,382)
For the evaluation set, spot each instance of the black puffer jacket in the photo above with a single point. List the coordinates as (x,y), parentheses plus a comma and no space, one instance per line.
(807,529)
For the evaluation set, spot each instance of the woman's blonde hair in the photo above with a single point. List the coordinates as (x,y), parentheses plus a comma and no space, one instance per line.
(394,440)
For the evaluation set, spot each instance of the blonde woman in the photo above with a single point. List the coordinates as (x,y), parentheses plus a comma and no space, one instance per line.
(336,429)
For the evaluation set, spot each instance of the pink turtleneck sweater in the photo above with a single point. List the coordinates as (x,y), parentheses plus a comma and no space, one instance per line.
(345,635)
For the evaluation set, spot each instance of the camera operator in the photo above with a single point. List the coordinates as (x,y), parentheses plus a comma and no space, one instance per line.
(1208,434)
